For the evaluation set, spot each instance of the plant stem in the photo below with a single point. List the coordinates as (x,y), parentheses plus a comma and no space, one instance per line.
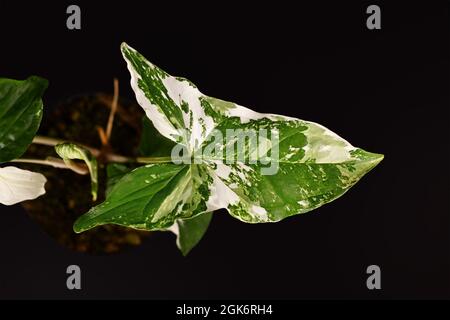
(153,160)
(53,162)
(111,157)
(48,141)
(113,110)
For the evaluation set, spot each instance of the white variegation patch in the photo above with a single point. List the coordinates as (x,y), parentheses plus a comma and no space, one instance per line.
(175,229)
(17,185)
(259,212)
(221,195)
(245,114)
(197,123)
(325,146)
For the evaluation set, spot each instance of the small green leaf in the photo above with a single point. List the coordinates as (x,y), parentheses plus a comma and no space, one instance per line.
(152,143)
(189,232)
(71,151)
(20,114)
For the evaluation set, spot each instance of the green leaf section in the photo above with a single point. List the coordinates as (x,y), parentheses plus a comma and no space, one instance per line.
(191,231)
(71,151)
(141,198)
(188,231)
(153,143)
(21,111)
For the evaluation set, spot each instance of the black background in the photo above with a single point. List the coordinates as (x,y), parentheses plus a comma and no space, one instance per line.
(386,91)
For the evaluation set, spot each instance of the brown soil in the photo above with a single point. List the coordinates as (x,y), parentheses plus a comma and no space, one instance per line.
(68,194)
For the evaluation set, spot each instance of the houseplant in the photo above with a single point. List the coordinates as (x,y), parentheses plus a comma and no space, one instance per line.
(206,154)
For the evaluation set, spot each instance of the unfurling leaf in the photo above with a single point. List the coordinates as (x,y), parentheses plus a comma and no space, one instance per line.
(20,114)
(71,151)
(259,167)
(17,185)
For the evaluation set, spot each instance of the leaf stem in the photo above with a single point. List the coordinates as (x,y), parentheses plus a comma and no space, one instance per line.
(48,141)
(111,157)
(113,110)
(154,160)
(54,162)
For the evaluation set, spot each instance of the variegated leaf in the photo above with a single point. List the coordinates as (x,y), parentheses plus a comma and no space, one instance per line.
(293,167)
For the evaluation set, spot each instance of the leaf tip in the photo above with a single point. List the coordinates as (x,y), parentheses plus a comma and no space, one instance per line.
(370,160)
(185,250)
(81,224)
(77,228)
(39,82)
(377,158)
(124,47)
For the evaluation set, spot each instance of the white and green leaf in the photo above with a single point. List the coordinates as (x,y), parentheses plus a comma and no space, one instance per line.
(313,165)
